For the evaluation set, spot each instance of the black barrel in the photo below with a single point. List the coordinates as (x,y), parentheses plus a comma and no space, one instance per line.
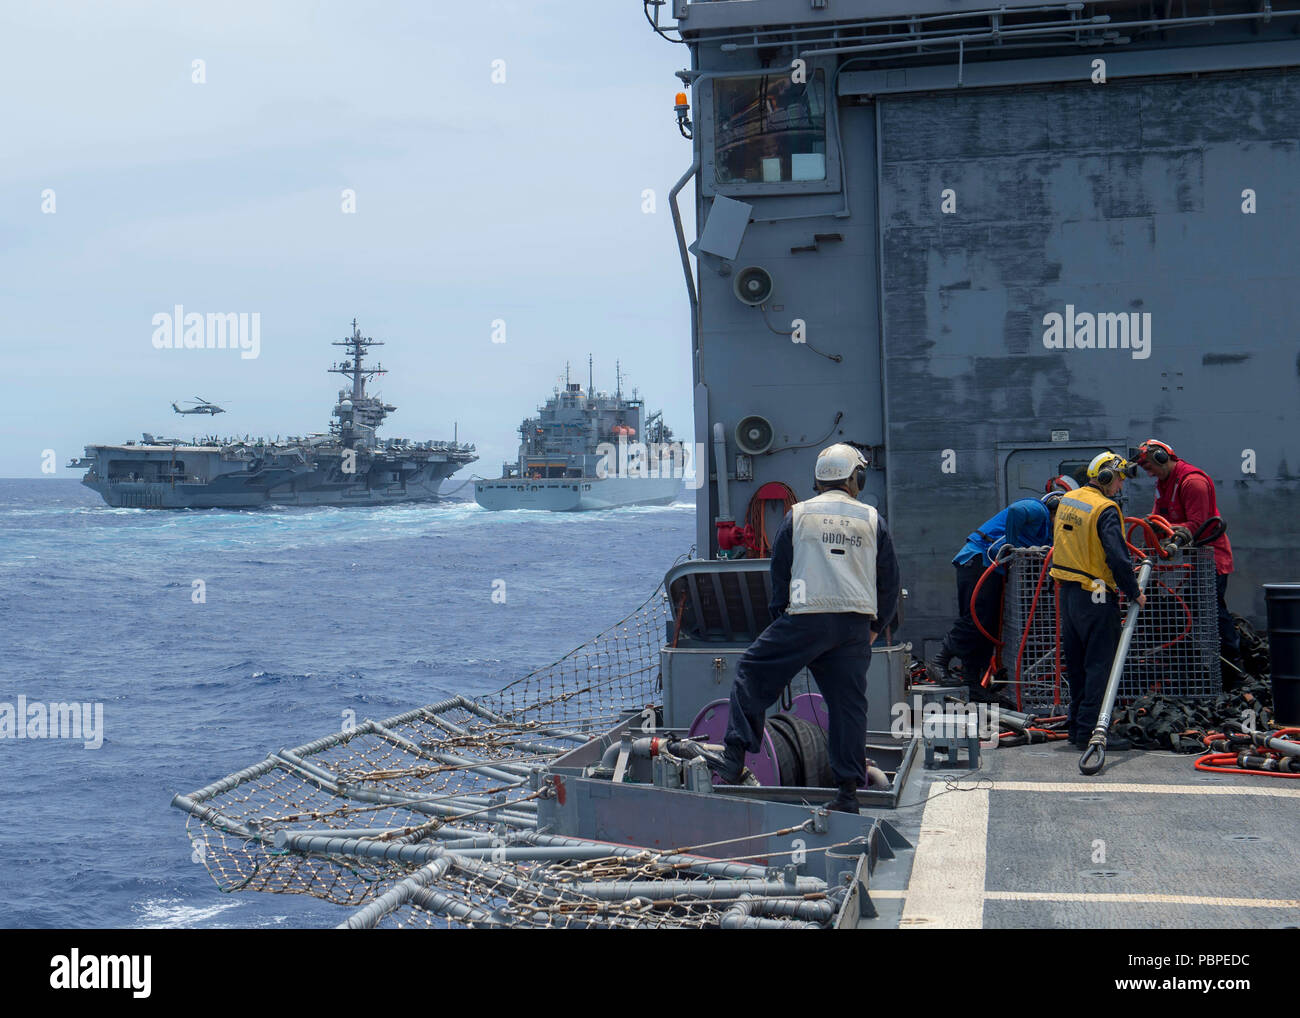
(1282,602)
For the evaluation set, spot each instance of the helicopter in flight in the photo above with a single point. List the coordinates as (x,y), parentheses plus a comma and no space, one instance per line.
(201,406)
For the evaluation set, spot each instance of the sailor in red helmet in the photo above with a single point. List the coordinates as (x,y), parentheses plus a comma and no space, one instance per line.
(1185,497)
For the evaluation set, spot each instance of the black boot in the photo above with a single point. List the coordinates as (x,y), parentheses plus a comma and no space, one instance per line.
(846,799)
(976,693)
(730,769)
(1114,741)
(733,765)
(939,666)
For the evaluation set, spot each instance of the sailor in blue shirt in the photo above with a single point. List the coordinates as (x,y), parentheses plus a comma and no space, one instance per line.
(1025,523)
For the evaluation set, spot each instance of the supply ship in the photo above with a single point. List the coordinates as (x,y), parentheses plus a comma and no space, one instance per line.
(983,243)
(589,450)
(350,465)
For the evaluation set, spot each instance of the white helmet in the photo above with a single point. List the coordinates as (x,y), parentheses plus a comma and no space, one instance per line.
(838,463)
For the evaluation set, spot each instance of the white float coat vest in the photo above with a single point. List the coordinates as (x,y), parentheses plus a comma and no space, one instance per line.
(834,568)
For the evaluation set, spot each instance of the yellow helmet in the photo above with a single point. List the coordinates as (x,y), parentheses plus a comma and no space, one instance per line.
(1106,466)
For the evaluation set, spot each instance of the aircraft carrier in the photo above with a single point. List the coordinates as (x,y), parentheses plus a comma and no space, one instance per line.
(589,450)
(900,206)
(349,466)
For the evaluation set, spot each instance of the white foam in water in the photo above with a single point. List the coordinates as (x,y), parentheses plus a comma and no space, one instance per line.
(171,914)
(288,528)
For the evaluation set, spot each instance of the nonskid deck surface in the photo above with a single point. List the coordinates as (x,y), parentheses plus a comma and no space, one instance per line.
(1026,841)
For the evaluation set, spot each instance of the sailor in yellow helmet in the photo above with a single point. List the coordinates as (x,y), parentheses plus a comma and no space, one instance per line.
(1091,559)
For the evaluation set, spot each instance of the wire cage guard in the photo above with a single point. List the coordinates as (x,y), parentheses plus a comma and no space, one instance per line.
(1175,650)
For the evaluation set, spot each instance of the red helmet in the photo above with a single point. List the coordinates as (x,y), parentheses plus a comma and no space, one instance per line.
(1153,451)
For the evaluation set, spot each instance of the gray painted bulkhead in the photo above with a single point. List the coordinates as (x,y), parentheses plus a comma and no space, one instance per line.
(1117,197)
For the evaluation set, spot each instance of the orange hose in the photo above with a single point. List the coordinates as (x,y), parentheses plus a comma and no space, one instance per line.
(973,597)
(1209,761)
(1186,629)
(1033,607)
(756,517)
(1153,541)
(994,661)
(1214,761)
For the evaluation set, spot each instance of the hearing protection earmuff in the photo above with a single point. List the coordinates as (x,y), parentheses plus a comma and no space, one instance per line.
(1107,466)
(1159,453)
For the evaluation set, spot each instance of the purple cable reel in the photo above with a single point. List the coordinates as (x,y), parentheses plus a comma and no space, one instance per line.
(710,725)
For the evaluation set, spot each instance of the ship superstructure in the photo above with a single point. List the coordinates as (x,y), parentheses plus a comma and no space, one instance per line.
(1011,236)
(350,465)
(588,449)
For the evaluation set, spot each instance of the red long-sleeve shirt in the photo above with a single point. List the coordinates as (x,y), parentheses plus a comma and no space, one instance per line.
(1186,497)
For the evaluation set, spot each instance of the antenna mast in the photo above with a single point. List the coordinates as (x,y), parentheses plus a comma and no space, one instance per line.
(357,345)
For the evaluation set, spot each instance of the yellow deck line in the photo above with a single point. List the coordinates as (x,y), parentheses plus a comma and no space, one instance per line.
(1101,788)
(946,890)
(1140,899)
(1115,898)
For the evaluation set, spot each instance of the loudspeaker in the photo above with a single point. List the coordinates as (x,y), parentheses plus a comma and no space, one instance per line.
(753,285)
(754,435)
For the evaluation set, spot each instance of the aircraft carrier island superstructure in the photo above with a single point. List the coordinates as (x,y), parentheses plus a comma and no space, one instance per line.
(348,466)
(588,450)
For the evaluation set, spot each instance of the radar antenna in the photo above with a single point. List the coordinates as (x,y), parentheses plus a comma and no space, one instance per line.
(353,368)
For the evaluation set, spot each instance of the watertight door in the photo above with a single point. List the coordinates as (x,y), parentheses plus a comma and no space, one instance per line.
(1027,469)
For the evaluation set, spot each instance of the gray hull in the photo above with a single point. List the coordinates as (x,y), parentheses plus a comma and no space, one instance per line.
(567,495)
(307,491)
(210,477)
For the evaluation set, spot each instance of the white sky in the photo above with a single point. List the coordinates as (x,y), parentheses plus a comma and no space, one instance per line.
(475,201)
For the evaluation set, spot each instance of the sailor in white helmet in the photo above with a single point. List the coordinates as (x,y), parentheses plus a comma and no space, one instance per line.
(835,586)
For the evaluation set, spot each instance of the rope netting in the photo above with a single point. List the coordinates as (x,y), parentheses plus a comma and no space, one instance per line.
(473,893)
(429,818)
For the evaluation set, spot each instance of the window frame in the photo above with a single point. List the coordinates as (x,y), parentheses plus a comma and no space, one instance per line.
(708,131)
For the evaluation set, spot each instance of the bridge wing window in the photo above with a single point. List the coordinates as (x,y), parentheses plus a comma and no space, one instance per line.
(769,129)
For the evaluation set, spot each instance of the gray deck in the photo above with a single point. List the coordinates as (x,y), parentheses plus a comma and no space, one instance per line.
(1015,847)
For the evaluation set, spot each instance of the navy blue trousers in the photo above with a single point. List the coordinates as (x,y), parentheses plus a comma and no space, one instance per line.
(1089,639)
(964,639)
(836,648)
(1229,641)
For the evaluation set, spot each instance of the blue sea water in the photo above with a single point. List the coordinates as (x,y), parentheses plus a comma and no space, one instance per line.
(309,613)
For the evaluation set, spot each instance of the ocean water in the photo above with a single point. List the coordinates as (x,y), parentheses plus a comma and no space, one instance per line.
(308,613)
